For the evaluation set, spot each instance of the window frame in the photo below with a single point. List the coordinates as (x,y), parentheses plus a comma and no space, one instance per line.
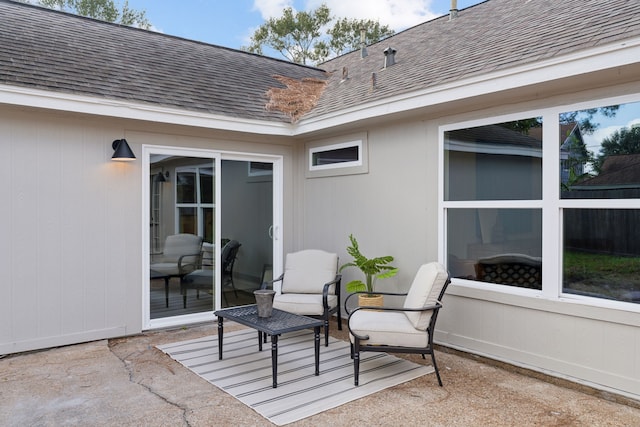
(551,204)
(359,166)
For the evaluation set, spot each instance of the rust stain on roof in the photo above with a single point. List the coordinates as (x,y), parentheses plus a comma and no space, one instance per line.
(297,98)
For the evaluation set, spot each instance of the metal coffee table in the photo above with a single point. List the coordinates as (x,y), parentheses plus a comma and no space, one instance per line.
(279,323)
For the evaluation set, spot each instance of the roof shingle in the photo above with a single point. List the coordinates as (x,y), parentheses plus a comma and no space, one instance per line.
(50,50)
(490,36)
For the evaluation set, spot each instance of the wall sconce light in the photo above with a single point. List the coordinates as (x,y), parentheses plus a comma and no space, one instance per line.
(122,151)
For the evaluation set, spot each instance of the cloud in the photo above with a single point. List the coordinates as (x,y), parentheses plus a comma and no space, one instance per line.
(594,141)
(397,14)
(271,8)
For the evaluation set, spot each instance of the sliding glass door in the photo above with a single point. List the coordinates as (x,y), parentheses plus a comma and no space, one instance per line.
(211,232)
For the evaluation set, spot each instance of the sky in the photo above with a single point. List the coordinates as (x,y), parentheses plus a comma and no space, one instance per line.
(230,23)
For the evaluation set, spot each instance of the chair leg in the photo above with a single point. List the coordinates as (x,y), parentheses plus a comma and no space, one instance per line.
(339,318)
(435,367)
(356,361)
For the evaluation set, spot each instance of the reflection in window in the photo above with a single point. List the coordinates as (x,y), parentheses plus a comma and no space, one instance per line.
(502,246)
(601,255)
(194,201)
(494,162)
(498,162)
(186,187)
(600,153)
(600,160)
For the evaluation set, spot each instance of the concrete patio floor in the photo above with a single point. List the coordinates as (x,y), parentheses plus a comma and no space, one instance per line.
(128,382)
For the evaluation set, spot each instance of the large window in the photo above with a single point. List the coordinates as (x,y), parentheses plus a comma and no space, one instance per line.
(493,173)
(504,218)
(600,187)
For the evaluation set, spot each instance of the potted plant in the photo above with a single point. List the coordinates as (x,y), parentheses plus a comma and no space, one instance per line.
(372,268)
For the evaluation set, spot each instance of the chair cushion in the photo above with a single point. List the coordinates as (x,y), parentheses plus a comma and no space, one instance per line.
(306,272)
(424,291)
(387,328)
(199,279)
(304,304)
(167,268)
(181,244)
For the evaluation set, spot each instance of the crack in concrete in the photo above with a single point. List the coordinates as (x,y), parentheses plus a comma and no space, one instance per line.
(128,365)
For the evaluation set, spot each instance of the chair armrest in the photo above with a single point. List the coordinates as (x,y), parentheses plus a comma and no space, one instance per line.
(325,290)
(264,285)
(194,264)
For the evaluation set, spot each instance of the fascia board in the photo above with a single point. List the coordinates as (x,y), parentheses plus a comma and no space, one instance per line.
(596,59)
(27,97)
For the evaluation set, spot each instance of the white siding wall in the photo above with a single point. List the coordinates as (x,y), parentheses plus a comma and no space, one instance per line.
(71,237)
(393,210)
(70,233)
(389,210)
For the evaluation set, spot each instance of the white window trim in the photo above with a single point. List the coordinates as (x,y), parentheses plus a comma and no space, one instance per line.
(336,165)
(340,168)
(551,205)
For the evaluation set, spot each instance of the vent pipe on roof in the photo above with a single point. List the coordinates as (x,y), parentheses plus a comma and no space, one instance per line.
(389,57)
(363,45)
(453,12)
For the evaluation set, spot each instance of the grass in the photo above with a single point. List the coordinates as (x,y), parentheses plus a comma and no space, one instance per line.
(602,275)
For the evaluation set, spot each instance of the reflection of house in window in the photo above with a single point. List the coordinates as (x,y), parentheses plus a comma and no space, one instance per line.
(620,174)
(494,162)
(572,152)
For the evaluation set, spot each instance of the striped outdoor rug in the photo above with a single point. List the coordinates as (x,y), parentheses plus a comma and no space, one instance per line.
(245,373)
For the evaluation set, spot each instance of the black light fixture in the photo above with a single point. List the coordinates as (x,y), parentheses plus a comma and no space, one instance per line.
(122,151)
(160,177)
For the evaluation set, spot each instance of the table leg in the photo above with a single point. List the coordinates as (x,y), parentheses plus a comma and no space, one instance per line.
(220,330)
(316,338)
(274,359)
(259,341)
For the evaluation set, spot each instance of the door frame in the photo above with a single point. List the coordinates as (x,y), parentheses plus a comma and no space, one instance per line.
(216,156)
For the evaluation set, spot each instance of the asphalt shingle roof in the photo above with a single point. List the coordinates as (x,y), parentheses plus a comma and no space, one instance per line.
(50,50)
(490,36)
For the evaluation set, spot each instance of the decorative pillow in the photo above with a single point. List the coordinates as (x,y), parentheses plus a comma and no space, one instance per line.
(424,291)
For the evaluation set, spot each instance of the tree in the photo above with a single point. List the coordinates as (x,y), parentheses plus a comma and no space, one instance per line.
(584,117)
(345,35)
(623,141)
(105,10)
(299,36)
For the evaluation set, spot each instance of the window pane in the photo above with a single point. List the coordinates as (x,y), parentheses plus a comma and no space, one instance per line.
(339,155)
(495,162)
(187,221)
(260,168)
(602,253)
(186,187)
(206,185)
(207,214)
(502,246)
(600,153)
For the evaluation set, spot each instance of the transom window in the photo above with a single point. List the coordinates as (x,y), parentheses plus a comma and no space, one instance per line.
(342,155)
